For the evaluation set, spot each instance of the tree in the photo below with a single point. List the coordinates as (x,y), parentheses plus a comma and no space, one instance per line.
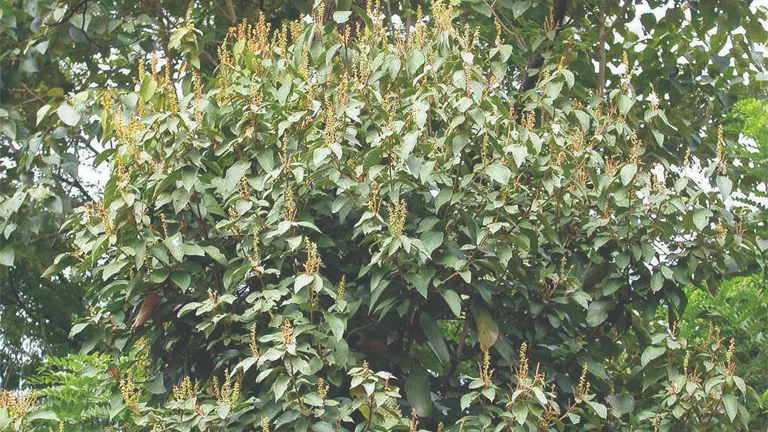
(55,54)
(368,233)
(734,313)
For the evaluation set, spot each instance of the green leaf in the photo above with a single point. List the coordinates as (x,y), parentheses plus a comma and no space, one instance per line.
(189,307)
(628,173)
(505,51)
(417,392)
(520,412)
(625,103)
(651,353)
(598,312)
(320,155)
(182,279)
(657,280)
(499,173)
(341,16)
(280,386)
(453,300)
(725,185)
(599,408)
(701,218)
(174,245)
(432,240)
(434,337)
(159,275)
(77,328)
(7,256)
(337,326)
(301,281)
(621,404)
(156,385)
(519,153)
(731,406)
(68,115)
(414,61)
(519,7)
(148,88)
(487,330)
(42,414)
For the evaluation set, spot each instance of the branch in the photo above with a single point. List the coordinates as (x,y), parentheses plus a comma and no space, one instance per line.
(602,36)
(75,183)
(49,236)
(69,14)
(462,339)
(34,95)
(231,10)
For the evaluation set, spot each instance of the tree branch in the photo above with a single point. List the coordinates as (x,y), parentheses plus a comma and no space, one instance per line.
(76,184)
(462,339)
(602,36)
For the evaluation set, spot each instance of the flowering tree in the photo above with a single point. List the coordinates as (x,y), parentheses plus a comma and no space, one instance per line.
(347,229)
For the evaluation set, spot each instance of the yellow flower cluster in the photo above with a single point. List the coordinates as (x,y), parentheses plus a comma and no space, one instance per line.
(720,230)
(289,211)
(583,389)
(126,131)
(397,214)
(374,201)
(255,257)
(319,17)
(197,83)
(420,34)
(282,39)
(331,132)
(229,392)
(287,332)
(722,157)
(256,37)
(443,15)
(322,388)
(414,421)
(185,390)
(342,288)
(17,403)
(97,209)
(362,69)
(313,263)
(730,362)
(130,393)
(243,188)
(485,371)
(169,89)
(522,371)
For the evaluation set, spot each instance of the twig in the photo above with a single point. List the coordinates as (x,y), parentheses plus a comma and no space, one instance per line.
(462,339)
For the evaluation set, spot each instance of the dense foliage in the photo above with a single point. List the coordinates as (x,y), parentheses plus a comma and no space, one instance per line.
(54,55)
(735,311)
(337,224)
(365,232)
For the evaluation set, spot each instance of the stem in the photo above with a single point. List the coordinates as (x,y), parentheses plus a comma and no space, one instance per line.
(462,339)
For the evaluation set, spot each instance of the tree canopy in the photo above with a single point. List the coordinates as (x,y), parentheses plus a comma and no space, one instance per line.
(375,217)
